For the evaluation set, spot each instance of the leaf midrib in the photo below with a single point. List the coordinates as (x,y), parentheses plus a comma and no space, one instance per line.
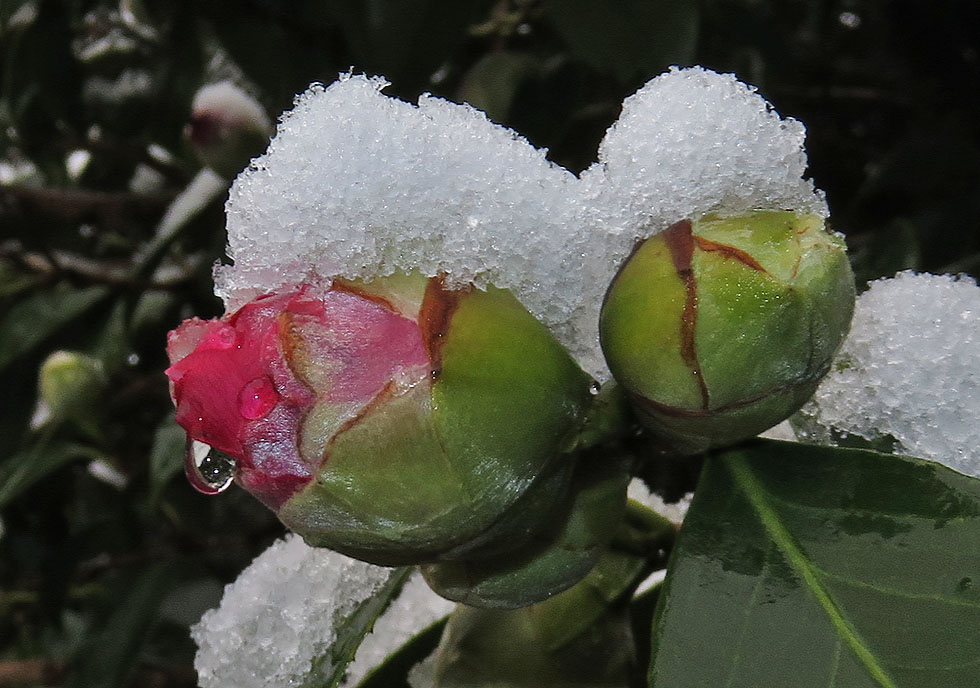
(755,492)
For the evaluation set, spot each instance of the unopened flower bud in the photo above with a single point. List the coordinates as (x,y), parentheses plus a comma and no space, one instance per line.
(69,387)
(722,327)
(227,128)
(579,637)
(554,558)
(398,421)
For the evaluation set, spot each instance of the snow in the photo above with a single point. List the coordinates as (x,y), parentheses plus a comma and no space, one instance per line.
(909,370)
(357,184)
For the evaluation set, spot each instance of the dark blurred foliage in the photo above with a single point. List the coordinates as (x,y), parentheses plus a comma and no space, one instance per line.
(107,555)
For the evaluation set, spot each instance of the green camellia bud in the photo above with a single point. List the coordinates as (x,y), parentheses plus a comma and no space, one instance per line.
(69,387)
(722,327)
(579,637)
(554,557)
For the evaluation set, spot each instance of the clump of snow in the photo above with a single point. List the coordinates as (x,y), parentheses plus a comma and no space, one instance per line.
(909,369)
(415,608)
(675,511)
(280,614)
(357,184)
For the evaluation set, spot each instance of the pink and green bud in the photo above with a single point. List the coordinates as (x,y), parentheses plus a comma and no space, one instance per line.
(722,327)
(398,421)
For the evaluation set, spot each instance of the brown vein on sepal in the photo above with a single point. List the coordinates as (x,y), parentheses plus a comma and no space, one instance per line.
(680,242)
(347,287)
(438,306)
(729,252)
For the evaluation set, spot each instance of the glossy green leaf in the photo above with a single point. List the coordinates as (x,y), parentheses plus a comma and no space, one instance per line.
(627,37)
(31,320)
(819,567)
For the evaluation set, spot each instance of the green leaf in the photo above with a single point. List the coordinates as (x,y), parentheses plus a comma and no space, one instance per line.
(492,83)
(31,320)
(627,37)
(329,669)
(109,657)
(23,469)
(406,41)
(814,566)
(166,456)
(393,672)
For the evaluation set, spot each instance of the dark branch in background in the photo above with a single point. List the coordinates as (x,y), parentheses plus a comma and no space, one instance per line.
(50,672)
(111,272)
(109,209)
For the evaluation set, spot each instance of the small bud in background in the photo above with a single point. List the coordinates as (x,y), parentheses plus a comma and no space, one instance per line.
(70,386)
(228,128)
(398,421)
(722,327)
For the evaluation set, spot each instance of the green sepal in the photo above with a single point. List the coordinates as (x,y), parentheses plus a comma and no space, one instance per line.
(553,559)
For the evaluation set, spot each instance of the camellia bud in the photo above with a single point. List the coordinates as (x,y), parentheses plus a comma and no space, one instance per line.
(227,128)
(554,558)
(398,421)
(722,327)
(579,637)
(69,387)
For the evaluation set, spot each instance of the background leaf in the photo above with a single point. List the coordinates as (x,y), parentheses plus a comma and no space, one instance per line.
(811,566)
(627,37)
(110,657)
(20,471)
(30,321)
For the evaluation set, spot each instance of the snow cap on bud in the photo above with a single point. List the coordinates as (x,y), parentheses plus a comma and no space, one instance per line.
(396,421)
(228,128)
(721,327)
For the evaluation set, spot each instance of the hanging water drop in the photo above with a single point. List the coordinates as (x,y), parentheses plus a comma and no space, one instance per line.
(594,388)
(209,470)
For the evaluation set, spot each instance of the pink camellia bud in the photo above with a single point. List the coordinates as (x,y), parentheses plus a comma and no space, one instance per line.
(397,421)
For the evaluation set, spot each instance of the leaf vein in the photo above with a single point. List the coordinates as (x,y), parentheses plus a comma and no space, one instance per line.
(784,541)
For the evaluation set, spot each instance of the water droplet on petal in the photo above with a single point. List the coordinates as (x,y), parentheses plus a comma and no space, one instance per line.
(257,398)
(221,337)
(209,470)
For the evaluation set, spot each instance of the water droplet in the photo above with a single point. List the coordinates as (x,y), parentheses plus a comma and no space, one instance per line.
(133,359)
(222,337)
(209,470)
(257,398)
(594,388)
